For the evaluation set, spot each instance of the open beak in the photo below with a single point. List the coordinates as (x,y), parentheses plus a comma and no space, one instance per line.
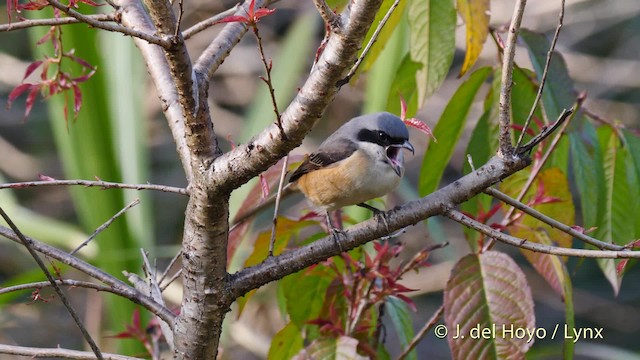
(396,157)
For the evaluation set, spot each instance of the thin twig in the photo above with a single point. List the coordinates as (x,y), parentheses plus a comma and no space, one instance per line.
(24,24)
(425,329)
(171,280)
(205,24)
(372,41)
(329,17)
(106,224)
(537,247)
(283,174)
(180,14)
(165,43)
(550,221)
(60,282)
(34,352)
(538,166)
(504,115)
(99,183)
(547,131)
(156,294)
(269,82)
(61,295)
(543,79)
(171,263)
(118,286)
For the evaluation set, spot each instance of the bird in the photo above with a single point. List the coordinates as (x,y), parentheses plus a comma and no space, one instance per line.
(360,161)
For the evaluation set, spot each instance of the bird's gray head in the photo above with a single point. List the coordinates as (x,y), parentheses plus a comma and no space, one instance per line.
(383,129)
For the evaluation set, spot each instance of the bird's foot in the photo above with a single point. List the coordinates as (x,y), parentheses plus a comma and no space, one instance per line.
(335,235)
(380,215)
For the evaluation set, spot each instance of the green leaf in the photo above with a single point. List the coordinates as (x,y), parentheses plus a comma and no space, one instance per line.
(632,144)
(586,164)
(384,34)
(305,293)
(343,348)
(286,343)
(487,290)
(617,224)
(401,318)
(448,132)
(432,25)
(475,14)
(558,93)
(404,84)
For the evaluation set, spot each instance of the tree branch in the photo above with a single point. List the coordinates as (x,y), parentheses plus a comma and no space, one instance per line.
(425,329)
(550,221)
(537,247)
(205,24)
(118,287)
(163,42)
(277,267)
(61,295)
(543,79)
(504,115)
(58,353)
(329,17)
(98,183)
(29,23)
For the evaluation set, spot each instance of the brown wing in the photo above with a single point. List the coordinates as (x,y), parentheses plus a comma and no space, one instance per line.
(324,157)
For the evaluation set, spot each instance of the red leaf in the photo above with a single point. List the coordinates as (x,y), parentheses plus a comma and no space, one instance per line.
(16,92)
(77,99)
(31,98)
(263,12)
(409,302)
(31,68)
(264,185)
(420,125)
(621,265)
(79,60)
(45,178)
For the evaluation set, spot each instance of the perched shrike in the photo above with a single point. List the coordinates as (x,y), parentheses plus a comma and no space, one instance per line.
(362,160)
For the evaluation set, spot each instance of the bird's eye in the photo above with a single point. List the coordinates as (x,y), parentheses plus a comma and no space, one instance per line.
(383,136)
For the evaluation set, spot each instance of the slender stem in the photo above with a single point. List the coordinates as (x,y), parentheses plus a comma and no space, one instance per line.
(372,41)
(504,115)
(171,263)
(99,183)
(537,247)
(205,24)
(61,295)
(425,329)
(29,23)
(165,43)
(543,79)
(106,224)
(283,173)
(57,353)
(550,221)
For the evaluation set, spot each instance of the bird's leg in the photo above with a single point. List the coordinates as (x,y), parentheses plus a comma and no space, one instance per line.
(377,213)
(335,232)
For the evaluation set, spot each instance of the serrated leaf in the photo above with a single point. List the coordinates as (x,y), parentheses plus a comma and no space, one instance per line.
(401,318)
(343,348)
(305,293)
(432,24)
(558,93)
(553,185)
(586,165)
(484,291)
(448,131)
(475,14)
(618,221)
(286,343)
